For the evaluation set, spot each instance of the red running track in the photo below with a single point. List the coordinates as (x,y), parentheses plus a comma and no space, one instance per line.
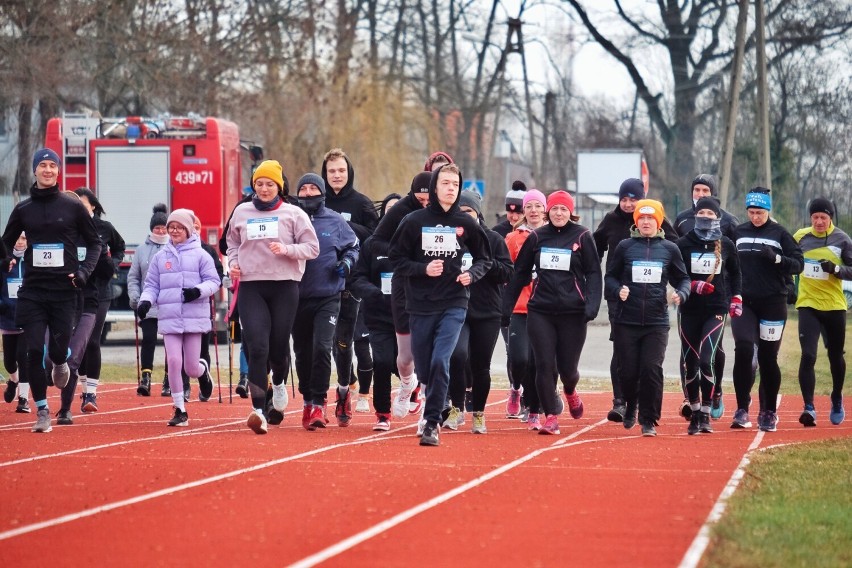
(119,487)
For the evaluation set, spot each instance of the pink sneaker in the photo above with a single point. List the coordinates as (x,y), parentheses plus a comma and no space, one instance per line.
(533,423)
(575,405)
(513,405)
(551,425)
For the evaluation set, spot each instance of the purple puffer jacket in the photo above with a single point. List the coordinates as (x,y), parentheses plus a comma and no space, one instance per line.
(172,269)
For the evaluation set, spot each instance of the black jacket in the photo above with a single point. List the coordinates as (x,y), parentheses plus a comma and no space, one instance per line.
(699,257)
(392,218)
(762,277)
(52,219)
(654,258)
(556,290)
(685,222)
(358,210)
(426,294)
(371,281)
(486,295)
(503,228)
(114,245)
(615,227)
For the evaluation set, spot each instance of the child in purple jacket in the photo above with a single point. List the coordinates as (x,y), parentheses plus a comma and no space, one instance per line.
(181,278)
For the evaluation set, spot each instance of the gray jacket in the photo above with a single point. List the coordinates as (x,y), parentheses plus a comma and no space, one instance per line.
(138,271)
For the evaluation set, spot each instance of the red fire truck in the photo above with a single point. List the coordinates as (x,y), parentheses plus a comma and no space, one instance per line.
(132,163)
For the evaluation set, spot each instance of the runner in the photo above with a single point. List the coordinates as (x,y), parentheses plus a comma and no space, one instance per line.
(14,346)
(822,305)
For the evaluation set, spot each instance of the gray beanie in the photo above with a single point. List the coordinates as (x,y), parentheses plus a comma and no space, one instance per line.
(471,199)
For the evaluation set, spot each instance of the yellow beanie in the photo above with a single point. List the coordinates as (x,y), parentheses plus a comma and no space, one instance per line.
(269,169)
(649,207)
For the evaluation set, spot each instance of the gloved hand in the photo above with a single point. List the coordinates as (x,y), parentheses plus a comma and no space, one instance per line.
(827,266)
(769,254)
(142,309)
(343,269)
(190,294)
(736,309)
(78,279)
(702,288)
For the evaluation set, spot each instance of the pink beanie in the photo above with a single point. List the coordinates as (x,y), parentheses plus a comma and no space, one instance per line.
(535,195)
(185,217)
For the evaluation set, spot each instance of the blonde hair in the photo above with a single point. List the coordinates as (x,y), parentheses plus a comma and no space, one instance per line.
(334,154)
(717,252)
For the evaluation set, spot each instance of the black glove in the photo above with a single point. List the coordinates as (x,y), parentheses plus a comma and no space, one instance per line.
(142,309)
(827,266)
(190,294)
(343,268)
(78,279)
(769,253)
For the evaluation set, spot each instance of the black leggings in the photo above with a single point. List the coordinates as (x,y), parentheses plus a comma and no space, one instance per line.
(267,309)
(343,335)
(148,342)
(641,352)
(832,326)
(91,363)
(522,361)
(700,338)
(383,342)
(557,341)
(365,361)
(14,355)
(746,330)
(475,347)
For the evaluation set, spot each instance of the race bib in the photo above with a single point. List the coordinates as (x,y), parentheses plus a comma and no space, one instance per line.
(48,256)
(814,270)
(13,285)
(467,261)
(262,228)
(702,263)
(81,254)
(386,282)
(771,330)
(647,272)
(555,259)
(438,239)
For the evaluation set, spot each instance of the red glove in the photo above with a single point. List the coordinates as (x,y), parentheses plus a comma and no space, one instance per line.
(736,309)
(701,287)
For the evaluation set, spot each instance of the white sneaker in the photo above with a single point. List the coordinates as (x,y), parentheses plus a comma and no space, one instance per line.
(60,375)
(452,421)
(363,405)
(257,422)
(279,397)
(400,403)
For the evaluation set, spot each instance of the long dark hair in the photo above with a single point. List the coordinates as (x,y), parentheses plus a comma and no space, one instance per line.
(90,195)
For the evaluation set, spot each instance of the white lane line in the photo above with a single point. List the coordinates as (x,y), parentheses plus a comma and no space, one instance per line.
(702,539)
(182,487)
(399,518)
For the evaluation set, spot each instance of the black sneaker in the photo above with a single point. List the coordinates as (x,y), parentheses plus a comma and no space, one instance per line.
(187,390)
(205,383)
(685,409)
(630,412)
(242,386)
(167,389)
(694,424)
(144,387)
(23,406)
(430,435)
(618,411)
(273,416)
(11,390)
(704,423)
(180,418)
(648,429)
(64,418)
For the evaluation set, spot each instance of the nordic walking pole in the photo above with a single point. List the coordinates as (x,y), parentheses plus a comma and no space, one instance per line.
(229,317)
(215,343)
(138,360)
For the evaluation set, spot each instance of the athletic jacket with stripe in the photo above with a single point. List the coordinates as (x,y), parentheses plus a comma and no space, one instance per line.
(763,278)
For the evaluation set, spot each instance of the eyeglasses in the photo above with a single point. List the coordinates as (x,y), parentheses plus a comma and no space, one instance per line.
(175,229)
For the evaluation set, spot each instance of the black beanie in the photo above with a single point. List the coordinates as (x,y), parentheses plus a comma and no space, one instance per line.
(518,185)
(709,203)
(420,183)
(704,179)
(159,217)
(821,205)
(631,187)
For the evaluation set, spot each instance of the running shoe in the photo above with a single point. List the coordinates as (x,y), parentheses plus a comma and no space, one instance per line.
(23,406)
(741,419)
(306,416)
(648,429)
(704,423)
(560,405)
(43,421)
(382,422)
(694,424)
(343,408)
(401,403)
(452,420)
(167,389)
(770,421)
(525,413)
(513,405)
(479,423)
(242,386)
(551,425)
(616,414)
(363,405)
(415,403)
(279,397)
(60,374)
(630,413)
(257,422)
(808,416)
(685,409)
(90,402)
(533,423)
(144,386)
(180,419)
(11,390)
(64,418)
(430,435)
(575,405)
(317,418)
(837,412)
(205,382)
(717,406)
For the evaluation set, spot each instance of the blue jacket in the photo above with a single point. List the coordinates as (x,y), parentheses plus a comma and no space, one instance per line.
(337,241)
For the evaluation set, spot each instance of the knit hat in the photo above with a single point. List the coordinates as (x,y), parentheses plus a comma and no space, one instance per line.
(420,183)
(313,178)
(43,154)
(709,203)
(560,198)
(185,217)
(431,160)
(471,199)
(704,179)
(269,169)
(759,197)
(649,207)
(159,217)
(821,205)
(631,187)
(535,195)
(515,200)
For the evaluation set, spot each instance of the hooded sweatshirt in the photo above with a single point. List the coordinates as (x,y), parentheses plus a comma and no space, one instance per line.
(615,227)
(337,241)
(356,208)
(434,234)
(391,219)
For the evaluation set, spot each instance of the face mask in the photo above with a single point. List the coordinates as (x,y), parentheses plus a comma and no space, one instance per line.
(708,229)
(311,205)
